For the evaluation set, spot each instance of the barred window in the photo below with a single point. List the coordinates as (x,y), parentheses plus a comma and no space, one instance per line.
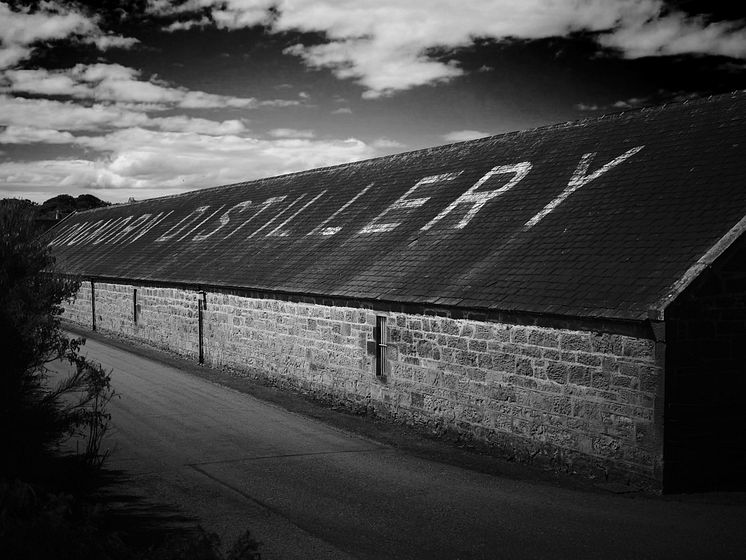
(381,335)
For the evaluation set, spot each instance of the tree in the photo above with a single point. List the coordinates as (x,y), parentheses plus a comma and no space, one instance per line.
(37,414)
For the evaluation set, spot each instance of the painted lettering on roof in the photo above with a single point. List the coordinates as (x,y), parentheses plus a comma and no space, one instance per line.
(192,227)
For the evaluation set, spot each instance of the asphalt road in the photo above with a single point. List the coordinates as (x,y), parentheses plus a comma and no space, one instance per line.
(309,490)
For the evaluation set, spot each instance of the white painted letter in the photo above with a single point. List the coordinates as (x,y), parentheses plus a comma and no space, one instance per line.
(278,231)
(95,233)
(68,233)
(270,222)
(189,219)
(334,230)
(579,179)
(154,222)
(224,219)
(109,229)
(125,231)
(479,199)
(199,225)
(404,203)
(264,205)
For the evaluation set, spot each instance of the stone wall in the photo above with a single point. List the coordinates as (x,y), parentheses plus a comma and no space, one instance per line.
(79,310)
(582,400)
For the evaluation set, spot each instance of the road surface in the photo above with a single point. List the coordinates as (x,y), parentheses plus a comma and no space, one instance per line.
(308,490)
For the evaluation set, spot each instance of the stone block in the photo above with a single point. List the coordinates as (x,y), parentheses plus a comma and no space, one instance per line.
(550,354)
(504,362)
(579,375)
(478,345)
(518,335)
(639,349)
(458,343)
(544,338)
(523,367)
(594,360)
(450,326)
(574,342)
(557,372)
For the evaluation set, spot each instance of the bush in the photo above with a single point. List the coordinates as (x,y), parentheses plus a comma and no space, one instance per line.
(36,415)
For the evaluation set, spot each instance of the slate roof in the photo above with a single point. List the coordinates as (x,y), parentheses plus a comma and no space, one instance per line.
(616,246)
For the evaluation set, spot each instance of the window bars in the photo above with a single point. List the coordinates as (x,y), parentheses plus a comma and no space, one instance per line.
(381,338)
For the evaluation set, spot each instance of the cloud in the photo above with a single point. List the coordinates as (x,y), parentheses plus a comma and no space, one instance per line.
(109,41)
(59,115)
(631,103)
(29,135)
(45,178)
(225,14)
(11,55)
(658,98)
(182,123)
(291,133)
(21,29)
(142,163)
(342,111)
(115,83)
(616,106)
(48,114)
(389,46)
(186,25)
(677,34)
(463,135)
(50,22)
(386,144)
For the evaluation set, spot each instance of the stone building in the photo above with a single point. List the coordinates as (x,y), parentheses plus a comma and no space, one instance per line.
(573,294)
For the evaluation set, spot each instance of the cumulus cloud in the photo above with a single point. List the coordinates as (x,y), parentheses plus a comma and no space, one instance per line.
(463,135)
(630,103)
(616,106)
(387,45)
(21,29)
(226,14)
(13,134)
(386,144)
(50,22)
(66,116)
(59,115)
(115,83)
(186,25)
(677,34)
(145,163)
(291,133)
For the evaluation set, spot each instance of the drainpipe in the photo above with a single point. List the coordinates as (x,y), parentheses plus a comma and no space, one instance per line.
(201,305)
(93,306)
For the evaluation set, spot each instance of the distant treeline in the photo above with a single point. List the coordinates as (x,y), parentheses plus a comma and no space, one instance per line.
(51,211)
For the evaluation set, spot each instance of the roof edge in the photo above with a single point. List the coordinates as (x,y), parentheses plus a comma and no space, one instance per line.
(59,223)
(705,261)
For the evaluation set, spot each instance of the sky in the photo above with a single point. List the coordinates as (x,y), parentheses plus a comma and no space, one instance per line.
(132,99)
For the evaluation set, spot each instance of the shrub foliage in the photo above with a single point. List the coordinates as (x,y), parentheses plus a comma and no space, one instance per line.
(37,412)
